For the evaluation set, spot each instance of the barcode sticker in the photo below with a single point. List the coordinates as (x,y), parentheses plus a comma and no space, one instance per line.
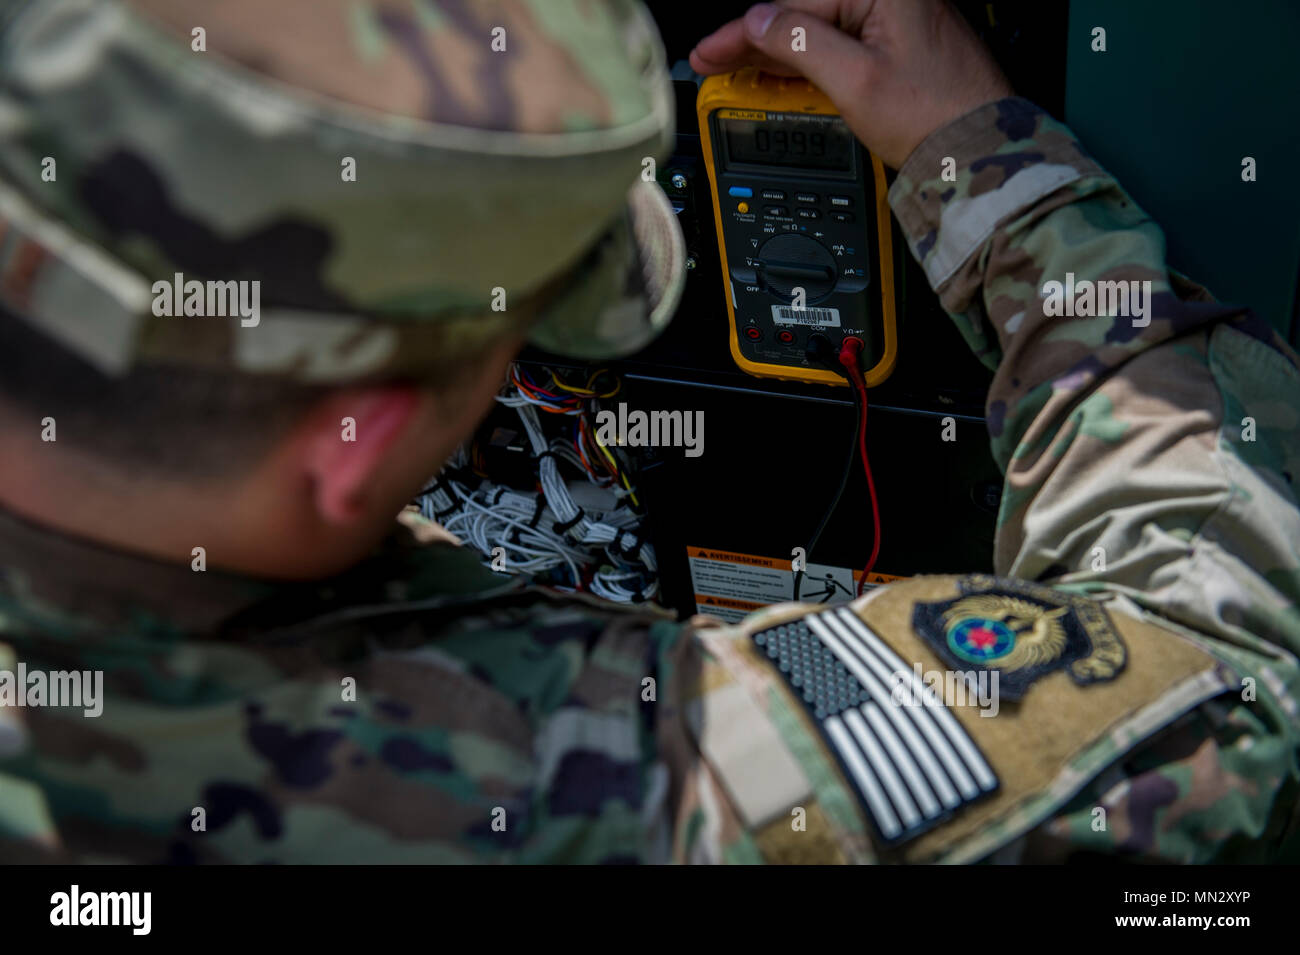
(824,317)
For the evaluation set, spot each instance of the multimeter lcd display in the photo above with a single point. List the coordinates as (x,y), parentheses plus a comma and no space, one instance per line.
(792,143)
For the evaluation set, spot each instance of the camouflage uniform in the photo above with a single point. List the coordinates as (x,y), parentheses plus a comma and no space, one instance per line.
(497,722)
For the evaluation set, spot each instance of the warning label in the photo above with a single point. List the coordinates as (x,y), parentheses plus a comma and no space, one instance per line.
(729,585)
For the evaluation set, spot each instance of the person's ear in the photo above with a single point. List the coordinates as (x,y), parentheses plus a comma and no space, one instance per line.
(347,441)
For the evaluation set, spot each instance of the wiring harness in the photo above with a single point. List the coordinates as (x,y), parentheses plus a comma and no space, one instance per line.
(579,534)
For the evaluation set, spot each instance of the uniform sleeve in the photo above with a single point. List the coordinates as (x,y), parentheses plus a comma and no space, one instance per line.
(1148,438)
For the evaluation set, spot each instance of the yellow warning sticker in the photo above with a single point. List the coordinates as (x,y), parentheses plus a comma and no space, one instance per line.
(729,584)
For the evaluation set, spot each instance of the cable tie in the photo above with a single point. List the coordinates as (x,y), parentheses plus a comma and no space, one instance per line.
(563,527)
(539,505)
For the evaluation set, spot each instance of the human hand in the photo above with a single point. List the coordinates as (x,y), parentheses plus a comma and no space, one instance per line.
(897,70)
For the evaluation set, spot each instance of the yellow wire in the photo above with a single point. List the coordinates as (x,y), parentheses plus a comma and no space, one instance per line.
(589,391)
(610,458)
(618,383)
(571,389)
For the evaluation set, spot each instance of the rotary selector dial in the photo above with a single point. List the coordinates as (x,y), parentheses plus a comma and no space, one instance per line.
(786,262)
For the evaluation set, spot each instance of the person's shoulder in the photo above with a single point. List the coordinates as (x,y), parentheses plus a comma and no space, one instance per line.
(474,635)
(513,726)
(935,719)
(416,708)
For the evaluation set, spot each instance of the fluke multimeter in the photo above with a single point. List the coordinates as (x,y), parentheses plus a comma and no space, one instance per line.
(803,227)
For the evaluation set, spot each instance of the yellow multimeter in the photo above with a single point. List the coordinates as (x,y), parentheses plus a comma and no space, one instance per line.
(803,227)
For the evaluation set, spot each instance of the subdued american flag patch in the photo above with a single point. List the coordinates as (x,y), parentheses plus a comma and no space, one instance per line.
(911,762)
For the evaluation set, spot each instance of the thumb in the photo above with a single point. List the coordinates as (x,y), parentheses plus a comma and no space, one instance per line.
(804,43)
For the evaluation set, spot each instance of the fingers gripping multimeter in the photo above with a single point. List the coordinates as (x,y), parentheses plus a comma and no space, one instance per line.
(803,227)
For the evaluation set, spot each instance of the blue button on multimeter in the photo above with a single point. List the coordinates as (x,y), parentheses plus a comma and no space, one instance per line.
(740,192)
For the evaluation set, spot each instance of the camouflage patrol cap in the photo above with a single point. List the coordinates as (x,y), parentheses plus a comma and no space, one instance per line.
(376,166)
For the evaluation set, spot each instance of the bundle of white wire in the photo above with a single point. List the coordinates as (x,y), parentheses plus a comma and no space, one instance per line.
(492,516)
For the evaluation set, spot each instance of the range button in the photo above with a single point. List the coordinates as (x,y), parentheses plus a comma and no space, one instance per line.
(806,196)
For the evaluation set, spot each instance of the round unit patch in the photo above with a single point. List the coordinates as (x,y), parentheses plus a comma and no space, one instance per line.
(981,639)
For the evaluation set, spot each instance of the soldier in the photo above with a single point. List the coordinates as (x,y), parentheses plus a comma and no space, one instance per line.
(200,479)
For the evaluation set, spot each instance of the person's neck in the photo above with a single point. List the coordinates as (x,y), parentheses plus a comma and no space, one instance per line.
(247,528)
(145,518)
